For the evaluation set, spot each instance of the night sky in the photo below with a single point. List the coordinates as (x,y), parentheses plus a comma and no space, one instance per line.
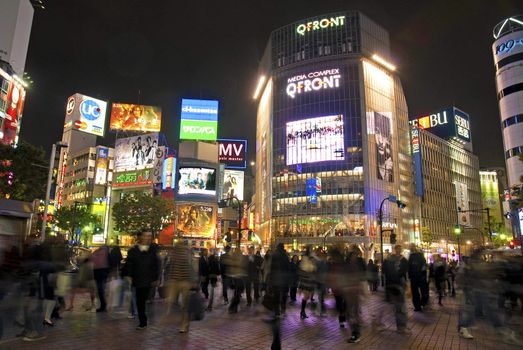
(156,52)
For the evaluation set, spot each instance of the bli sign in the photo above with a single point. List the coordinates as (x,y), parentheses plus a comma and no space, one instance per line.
(232,153)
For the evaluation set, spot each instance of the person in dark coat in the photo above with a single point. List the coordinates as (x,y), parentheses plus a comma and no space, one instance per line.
(214,271)
(418,278)
(204,272)
(372,276)
(226,280)
(252,281)
(143,268)
(440,276)
(278,279)
(293,277)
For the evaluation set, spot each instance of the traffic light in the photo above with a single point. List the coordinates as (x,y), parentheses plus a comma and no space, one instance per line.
(10,178)
(392,238)
(457,230)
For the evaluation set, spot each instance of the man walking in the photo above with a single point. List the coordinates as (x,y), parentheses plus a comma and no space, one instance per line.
(226,281)
(252,281)
(204,272)
(101,267)
(395,268)
(143,268)
(418,278)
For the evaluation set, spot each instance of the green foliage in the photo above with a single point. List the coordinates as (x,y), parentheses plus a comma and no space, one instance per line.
(140,210)
(70,218)
(29,180)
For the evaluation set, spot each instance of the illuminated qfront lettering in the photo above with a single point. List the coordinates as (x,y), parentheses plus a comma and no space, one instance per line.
(323,23)
(313,81)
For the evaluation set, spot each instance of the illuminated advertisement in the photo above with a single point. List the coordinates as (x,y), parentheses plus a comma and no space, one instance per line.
(232,153)
(12,110)
(195,180)
(169,169)
(195,220)
(85,114)
(449,124)
(415,143)
(133,178)
(199,120)
(134,117)
(323,23)
(462,203)
(315,140)
(157,169)
(102,164)
(233,184)
(383,136)
(490,195)
(313,81)
(137,152)
(310,190)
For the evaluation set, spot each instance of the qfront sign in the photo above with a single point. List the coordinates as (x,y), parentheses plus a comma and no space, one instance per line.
(313,81)
(323,23)
(232,153)
(450,124)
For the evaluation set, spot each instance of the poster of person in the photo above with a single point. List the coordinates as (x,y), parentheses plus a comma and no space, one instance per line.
(133,117)
(137,152)
(196,180)
(383,135)
(195,220)
(13,115)
(233,184)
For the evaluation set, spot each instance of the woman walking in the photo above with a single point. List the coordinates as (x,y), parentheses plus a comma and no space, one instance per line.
(307,269)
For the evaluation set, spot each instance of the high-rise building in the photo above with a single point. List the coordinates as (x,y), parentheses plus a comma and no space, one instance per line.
(332,134)
(507,51)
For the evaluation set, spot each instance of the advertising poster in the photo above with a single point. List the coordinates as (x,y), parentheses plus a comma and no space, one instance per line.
(196,220)
(383,135)
(134,178)
(159,157)
(169,169)
(132,117)
(102,162)
(232,153)
(310,190)
(13,114)
(137,152)
(462,202)
(196,180)
(86,114)
(315,140)
(233,184)
(199,120)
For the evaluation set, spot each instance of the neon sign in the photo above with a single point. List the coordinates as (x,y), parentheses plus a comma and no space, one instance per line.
(313,81)
(323,23)
(507,46)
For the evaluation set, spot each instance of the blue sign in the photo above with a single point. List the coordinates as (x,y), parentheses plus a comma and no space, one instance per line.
(103,152)
(90,110)
(199,110)
(415,143)
(310,190)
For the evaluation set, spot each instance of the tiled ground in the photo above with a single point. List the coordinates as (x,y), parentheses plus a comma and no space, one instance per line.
(247,330)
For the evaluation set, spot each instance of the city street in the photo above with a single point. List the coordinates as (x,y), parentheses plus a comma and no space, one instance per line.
(246,330)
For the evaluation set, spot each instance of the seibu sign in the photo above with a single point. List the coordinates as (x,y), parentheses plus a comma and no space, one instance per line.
(323,23)
(313,81)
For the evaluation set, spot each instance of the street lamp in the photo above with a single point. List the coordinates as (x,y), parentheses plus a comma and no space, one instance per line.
(56,146)
(400,205)
(457,232)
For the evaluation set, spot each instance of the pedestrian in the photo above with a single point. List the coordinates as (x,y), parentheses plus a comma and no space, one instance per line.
(418,278)
(214,271)
(307,270)
(336,275)
(278,279)
(451,278)
(83,281)
(293,277)
(440,276)
(372,276)
(353,290)
(182,275)
(226,280)
(142,268)
(204,272)
(321,276)
(252,282)
(101,266)
(237,268)
(395,268)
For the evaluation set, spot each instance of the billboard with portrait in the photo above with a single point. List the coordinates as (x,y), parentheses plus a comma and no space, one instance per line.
(137,152)
(197,180)
(315,140)
(133,117)
(199,120)
(233,184)
(195,220)
(86,114)
(383,137)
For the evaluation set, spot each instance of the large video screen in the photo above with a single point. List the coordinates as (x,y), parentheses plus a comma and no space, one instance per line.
(195,220)
(137,152)
(195,180)
(233,184)
(315,140)
(133,117)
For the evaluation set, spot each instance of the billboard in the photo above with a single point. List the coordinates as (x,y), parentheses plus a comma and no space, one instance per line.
(462,203)
(382,130)
(140,177)
(450,124)
(13,109)
(195,220)
(132,117)
(415,143)
(233,184)
(169,170)
(233,153)
(310,190)
(315,140)
(197,180)
(102,165)
(85,114)
(137,152)
(199,120)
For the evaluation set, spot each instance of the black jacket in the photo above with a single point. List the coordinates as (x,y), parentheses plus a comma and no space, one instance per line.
(417,266)
(142,267)
(280,269)
(395,268)
(204,266)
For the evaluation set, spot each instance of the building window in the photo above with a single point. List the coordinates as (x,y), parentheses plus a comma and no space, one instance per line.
(513,120)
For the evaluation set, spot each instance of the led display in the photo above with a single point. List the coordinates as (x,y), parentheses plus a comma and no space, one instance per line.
(199,120)
(315,140)
(195,180)
(132,117)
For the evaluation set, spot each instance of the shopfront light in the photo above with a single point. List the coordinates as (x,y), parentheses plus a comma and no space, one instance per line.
(383,62)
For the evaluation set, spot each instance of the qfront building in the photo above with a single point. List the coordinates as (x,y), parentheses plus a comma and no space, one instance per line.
(332,134)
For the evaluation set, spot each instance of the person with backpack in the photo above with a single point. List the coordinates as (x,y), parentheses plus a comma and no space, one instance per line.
(418,278)
(306,272)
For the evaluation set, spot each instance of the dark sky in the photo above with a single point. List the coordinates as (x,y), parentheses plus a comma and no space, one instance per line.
(112,49)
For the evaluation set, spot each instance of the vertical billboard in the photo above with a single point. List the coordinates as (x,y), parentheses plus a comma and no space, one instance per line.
(195,220)
(462,203)
(383,137)
(415,144)
(102,165)
(137,152)
(310,190)
(315,140)
(133,117)
(168,173)
(199,120)
(13,98)
(233,184)
(86,114)
(232,153)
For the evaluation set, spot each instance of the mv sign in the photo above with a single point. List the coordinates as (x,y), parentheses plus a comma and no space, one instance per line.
(232,153)
(313,81)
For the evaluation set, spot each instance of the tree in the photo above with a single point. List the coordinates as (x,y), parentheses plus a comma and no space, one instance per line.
(75,217)
(23,172)
(140,210)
